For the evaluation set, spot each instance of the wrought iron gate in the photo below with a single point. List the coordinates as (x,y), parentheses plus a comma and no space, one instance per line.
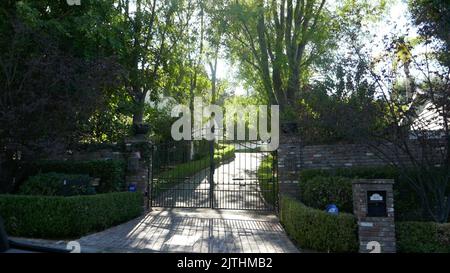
(202,174)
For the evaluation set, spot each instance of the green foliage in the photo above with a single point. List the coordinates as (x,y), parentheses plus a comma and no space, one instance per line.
(407,203)
(422,237)
(265,39)
(67,217)
(57,184)
(248,117)
(317,230)
(190,168)
(174,176)
(265,180)
(110,172)
(385,172)
(201,148)
(65,103)
(431,17)
(223,153)
(320,191)
(160,119)
(341,106)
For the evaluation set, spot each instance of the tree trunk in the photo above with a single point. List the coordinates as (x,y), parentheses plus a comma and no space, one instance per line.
(138,115)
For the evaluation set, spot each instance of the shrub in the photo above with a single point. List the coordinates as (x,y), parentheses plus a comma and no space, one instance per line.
(110,172)
(171,178)
(265,180)
(223,153)
(67,217)
(320,191)
(383,172)
(315,229)
(422,237)
(57,184)
(192,167)
(407,203)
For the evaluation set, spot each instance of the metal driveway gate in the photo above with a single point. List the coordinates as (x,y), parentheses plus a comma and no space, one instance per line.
(203,174)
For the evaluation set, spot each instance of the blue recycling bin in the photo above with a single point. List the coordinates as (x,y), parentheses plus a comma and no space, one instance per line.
(132,188)
(332,209)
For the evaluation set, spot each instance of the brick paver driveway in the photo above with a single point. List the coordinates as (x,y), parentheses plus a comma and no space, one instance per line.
(194,230)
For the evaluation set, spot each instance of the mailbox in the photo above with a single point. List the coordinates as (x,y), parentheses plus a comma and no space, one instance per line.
(376,204)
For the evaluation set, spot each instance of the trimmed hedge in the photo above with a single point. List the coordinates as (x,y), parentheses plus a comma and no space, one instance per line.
(320,191)
(110,172)
(67,217)
(265,180)
(172,177)
(407,203)
(57,184)
(384,172)
(422,237)
(315,229)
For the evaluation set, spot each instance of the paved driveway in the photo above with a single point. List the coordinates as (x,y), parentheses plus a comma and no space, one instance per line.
(194,230)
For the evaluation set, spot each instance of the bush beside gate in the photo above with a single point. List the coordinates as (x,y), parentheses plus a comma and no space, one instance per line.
(56,217)
(315,229)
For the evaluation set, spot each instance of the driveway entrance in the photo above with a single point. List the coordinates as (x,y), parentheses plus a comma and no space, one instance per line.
(194,230)
(211,201)
(225,176)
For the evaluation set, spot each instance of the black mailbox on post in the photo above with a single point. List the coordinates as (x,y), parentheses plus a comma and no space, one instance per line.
(376,204)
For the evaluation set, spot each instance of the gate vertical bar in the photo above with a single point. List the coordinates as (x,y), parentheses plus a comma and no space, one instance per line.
(275,181)
(211,174)
(150,178)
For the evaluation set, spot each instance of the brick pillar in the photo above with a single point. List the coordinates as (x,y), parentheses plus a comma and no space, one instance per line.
(139,158)
(373,205)
(289,164)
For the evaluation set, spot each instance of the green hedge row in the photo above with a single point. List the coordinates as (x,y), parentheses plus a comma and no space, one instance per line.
(407,203)
(265,180)
(320,191)
(192,167)
(57,184)
(317,230)
(384,172)
(422,237)
(67,217)
(170,178)
(110,172)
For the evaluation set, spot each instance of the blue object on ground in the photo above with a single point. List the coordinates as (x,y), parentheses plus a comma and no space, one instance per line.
(132,187)
(332,209)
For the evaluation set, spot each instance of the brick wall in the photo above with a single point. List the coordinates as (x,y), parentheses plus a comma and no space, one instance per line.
(293,157)
(345,156)
(108,152)
(137,171)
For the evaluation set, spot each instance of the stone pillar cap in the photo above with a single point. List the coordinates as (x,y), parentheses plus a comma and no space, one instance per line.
(373,181)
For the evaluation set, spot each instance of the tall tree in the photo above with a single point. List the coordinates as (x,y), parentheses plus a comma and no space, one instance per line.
(432,19)
(49,56)
(279,38)
(143,47)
